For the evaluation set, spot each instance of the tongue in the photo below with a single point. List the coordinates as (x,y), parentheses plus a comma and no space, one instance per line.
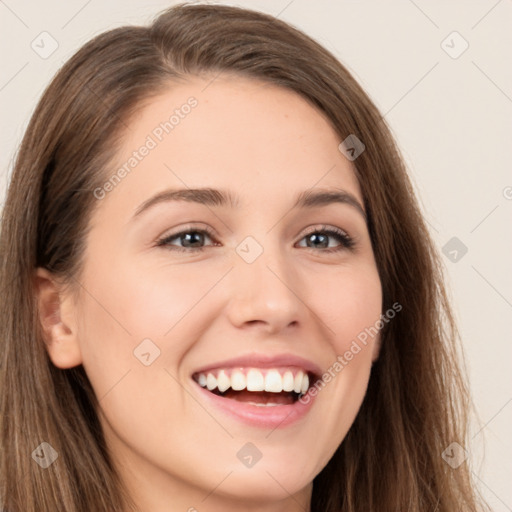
(260,397)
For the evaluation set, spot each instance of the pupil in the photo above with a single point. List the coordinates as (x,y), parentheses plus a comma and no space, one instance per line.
(317,237)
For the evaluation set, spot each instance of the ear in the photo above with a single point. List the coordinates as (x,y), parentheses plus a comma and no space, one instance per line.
(56,315)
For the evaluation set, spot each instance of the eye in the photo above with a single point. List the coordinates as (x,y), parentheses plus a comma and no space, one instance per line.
(319,238)
(191,239)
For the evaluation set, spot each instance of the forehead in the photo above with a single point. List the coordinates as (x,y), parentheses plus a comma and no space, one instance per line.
(257,139)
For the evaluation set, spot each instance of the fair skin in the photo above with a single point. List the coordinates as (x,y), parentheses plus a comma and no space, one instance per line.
(175,449)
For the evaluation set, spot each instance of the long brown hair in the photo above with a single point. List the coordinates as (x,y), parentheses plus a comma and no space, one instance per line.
(417,400)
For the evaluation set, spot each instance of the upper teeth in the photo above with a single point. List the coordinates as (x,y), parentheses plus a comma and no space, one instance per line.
(255,380)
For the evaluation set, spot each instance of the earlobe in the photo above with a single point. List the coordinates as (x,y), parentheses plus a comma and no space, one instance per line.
(55,312)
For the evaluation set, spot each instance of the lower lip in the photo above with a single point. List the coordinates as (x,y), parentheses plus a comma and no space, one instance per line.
(274,416)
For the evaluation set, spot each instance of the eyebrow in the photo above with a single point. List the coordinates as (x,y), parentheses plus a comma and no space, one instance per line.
(215,198)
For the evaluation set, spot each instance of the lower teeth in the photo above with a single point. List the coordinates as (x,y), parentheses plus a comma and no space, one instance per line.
(296,397)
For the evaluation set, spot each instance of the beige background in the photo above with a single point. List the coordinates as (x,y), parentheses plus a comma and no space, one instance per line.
(451,116)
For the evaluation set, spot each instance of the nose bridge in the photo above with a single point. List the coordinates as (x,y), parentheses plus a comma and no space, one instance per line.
(263,285)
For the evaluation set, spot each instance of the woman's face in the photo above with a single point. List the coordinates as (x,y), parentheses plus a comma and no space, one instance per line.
(195,291)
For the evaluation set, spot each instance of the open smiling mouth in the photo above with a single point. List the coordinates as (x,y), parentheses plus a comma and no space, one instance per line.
(258,387)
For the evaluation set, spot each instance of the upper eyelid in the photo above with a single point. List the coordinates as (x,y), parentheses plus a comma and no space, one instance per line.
(210,231)
(188,229)
(324,227)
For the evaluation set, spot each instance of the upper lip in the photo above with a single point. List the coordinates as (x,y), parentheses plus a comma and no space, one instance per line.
(264,361)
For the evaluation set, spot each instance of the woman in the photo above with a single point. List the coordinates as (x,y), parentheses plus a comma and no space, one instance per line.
(219,292)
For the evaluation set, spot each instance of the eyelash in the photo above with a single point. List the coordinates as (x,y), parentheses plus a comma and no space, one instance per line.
(346,241)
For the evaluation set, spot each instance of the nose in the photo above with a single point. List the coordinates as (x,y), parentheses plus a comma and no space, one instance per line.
(265,294)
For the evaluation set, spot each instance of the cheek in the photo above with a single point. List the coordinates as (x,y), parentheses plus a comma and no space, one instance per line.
(350,305)
(131,362)
(124,306)
(155,300)
(134,324)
